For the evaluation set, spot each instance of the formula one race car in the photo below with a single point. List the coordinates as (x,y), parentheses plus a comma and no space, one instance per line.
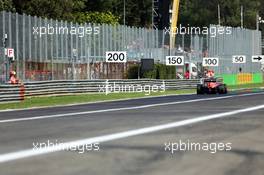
(211,86)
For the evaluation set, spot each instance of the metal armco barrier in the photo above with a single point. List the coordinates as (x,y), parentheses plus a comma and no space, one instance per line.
(22,92)
(10,93)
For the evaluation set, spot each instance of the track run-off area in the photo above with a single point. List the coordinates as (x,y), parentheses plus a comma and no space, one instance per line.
(136,136)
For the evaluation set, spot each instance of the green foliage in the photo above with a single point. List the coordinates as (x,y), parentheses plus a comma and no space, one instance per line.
(171,72)
(160,71)
(96,17)
(138,12)
(149,74)
(132,72)
(102,5)
(203,12)
(56,9)
(7,5)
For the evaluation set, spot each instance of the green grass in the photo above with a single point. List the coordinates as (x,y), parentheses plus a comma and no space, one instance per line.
(86,98)
(83,98)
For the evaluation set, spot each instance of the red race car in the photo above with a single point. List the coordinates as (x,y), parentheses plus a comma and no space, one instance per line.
(211,86)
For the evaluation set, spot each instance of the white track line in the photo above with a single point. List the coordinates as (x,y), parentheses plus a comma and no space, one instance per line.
(122,109)
(105,138)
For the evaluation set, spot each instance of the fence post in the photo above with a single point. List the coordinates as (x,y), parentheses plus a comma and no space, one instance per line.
(23,48)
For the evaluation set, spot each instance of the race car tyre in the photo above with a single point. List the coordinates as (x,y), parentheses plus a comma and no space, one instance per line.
(200,89)
(225,89)
(222,89)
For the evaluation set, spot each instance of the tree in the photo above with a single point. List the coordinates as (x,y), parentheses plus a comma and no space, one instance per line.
(7,5)
(251,8)
(197,13)
(138,12)
(203,12)
(261,13)
(56,9)
(97,17)
(103,5)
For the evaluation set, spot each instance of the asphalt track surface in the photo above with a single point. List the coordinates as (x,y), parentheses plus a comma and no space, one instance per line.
(234,118)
